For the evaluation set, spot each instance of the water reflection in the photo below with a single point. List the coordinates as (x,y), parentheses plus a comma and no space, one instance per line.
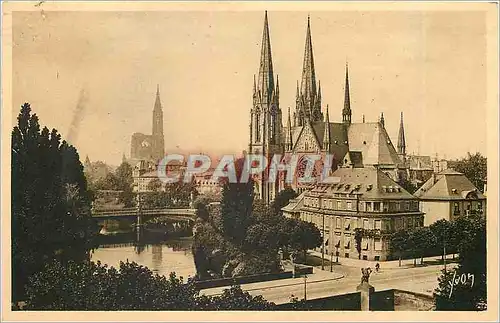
(162,257)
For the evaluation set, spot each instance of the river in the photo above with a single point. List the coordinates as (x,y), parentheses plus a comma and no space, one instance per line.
(172,255)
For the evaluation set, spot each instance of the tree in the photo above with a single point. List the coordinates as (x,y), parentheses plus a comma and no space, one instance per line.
(155,185)
(442,231)
(471,294)
(282,199)
(399,243)
(92,286)
(305,236)
(474,167)
(420,241)
(50,201)
(407,185)
(236,298)
(236,207)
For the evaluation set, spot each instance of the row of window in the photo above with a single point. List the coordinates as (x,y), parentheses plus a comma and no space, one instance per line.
(387,206)
(351,223)
(349,242)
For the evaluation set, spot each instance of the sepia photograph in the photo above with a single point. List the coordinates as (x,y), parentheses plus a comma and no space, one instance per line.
(293,160)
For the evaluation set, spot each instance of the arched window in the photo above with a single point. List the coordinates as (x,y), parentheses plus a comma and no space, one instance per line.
(257,127)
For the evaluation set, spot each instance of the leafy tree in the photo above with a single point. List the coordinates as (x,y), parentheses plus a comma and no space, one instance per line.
(92,286)
(282,199)
(236,207)
(50,201)
(420,241)
(474,167)
(399,243)
(155,185)
(305,236)
(472,262)
(236,298)
(109,182)
(175,195)
(407,185)
(442,231)
(124,183)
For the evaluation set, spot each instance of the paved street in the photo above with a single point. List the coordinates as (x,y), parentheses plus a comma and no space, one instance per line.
(344,280)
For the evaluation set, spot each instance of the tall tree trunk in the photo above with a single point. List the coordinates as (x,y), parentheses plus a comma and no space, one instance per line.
(400,261)
(415,262)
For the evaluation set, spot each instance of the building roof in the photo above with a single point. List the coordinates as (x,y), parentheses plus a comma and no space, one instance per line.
(448,185)
(420,162)
(295,204)
(358,143)
(372,140)
(369,182)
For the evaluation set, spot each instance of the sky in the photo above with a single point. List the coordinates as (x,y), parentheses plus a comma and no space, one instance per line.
(98,71)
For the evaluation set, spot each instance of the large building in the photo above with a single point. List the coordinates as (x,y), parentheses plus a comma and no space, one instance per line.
(309,131)
(150,147)
(449,195)
(364,198)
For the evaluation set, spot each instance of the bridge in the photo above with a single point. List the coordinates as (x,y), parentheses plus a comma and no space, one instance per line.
(133,213)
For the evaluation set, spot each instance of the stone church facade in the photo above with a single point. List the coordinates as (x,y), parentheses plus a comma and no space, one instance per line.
(150,147)
(309,131)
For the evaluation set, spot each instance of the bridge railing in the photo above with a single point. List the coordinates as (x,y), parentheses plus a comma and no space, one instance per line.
(132,211)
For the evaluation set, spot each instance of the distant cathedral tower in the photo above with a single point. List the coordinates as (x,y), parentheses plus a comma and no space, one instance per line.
(158,138)
(308,99)
(265,120)
(150,147)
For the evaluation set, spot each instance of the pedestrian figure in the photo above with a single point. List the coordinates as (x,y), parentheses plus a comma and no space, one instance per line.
(377,267)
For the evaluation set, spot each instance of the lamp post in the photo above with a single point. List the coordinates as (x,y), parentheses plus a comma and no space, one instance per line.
(331,261)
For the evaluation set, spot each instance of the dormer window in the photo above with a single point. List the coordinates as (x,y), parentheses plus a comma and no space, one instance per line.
(454,190)
(369,187)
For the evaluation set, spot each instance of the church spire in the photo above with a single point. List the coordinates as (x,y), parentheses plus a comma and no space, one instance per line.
(308,83)
(382,120)
(401,138)
(326,135)
(288,134)
(157,101)
(346,111)
(266,80)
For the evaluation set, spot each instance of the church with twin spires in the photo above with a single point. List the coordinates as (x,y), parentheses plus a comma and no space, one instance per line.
(309,130)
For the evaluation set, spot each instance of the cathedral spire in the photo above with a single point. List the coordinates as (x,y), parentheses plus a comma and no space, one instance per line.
(266,80)
(288,134)
(254,86)
(382,120)
(326,135)
(157,101)
(401,138)
(308,84)
(277,85)
(346,111)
